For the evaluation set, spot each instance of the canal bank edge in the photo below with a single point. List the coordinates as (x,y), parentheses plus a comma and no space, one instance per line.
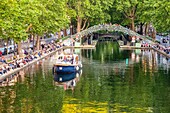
(133,47)
(2,77)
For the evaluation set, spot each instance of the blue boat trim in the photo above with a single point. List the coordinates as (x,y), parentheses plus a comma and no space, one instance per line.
(66,69)
(67,64)
(64,77)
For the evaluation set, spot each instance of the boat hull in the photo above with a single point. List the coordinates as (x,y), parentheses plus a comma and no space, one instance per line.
(66,68)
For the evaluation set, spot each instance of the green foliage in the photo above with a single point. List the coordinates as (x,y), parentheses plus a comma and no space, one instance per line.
(12,18)
(155,12)
(18,18)
(143,11)
(49,16)
(161,15)
(95,11)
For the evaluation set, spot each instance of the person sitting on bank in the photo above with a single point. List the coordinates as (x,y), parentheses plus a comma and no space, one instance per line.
(4,69)
(21,64)
(39,54)
(0,53)
(32,57)
(3,60)
(12,65)
(5,51)
(35,55)
(1,71)
(14,57)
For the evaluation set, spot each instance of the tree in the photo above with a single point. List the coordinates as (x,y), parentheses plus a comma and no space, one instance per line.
(143,12)
(159,13)
(49,17)
(12,21)
(89,11)
(129,9)
(35,17)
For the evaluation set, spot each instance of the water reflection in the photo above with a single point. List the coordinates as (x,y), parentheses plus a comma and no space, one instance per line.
(127,80)
(154,61)
(67,80)
(119,59)
(13,79)
(31,90)
(113,80)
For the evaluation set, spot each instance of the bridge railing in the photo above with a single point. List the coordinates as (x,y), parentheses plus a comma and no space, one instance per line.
(114,27)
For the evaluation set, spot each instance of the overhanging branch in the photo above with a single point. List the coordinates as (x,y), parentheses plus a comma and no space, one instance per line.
(84,24)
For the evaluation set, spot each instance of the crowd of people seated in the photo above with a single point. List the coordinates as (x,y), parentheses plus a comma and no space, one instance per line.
(145,45)
(28,57)
(162,48)
(157,46)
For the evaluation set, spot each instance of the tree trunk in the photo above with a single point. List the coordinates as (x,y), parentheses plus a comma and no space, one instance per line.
(73,30)
(154,34)
(20,53)
(65,32)
(79,22)
(141,29)
(29,41)
(84,24)
(38,43)
(146,29)
(132,24)
(14,48)
(59,34)
(33,42)
(7,43)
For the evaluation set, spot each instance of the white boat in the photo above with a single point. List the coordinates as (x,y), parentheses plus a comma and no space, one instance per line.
(67,64)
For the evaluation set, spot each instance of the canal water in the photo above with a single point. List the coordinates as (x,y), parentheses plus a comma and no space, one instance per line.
(112,80)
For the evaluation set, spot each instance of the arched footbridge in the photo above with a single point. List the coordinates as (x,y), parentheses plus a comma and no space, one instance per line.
(114,27)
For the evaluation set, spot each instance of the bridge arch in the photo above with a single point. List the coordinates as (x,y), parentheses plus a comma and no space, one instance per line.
(114,27)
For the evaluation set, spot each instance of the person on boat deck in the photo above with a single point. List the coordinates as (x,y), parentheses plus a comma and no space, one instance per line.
(65,59)
(77,58)
(60,59)
(72,59)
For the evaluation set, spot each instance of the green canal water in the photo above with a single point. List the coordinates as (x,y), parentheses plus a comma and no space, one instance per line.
(112,81)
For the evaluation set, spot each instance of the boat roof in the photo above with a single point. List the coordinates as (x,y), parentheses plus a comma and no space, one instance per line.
(60,64)
(67,55)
